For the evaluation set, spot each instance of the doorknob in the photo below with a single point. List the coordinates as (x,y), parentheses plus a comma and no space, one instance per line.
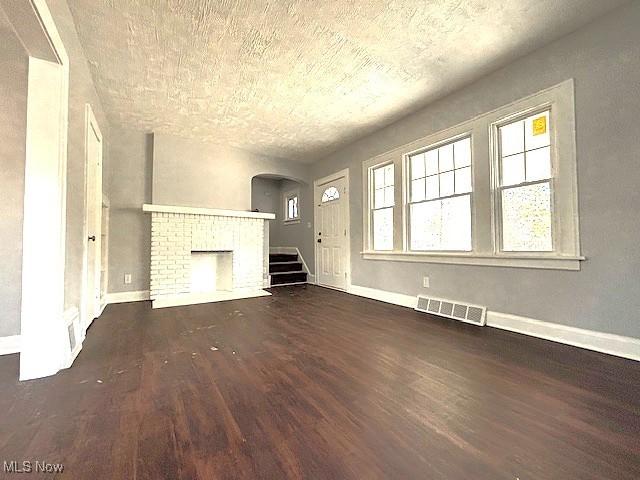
(92,238)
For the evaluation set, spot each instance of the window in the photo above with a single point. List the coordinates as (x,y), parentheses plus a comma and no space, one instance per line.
(382,209)
(330,194)
(525,184)
(499,189)
(440,198)
(291,207)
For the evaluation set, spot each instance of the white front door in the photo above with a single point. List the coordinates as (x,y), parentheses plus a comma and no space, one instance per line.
(94,218)
(332,232)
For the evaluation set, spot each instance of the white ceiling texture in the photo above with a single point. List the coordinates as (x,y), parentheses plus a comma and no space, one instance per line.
(297,79)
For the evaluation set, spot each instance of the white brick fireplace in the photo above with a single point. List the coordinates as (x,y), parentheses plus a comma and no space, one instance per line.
(203,255)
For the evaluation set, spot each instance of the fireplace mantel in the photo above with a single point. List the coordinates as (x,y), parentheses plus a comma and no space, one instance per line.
(181,273)
(215,212)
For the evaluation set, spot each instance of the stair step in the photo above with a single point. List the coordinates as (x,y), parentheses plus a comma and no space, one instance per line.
(285,267)
(283,257)
(288,277)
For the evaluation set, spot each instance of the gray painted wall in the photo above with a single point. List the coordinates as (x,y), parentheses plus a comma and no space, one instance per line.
(129,185)
(14,64)
(192,173)
(604,60)
(170,170)
(267,195)
(297,234)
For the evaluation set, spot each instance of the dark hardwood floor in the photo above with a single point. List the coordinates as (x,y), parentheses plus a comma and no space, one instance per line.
(317,384)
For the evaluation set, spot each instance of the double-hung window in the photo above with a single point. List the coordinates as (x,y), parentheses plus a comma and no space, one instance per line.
(525,188)
(291,207)
(440,198)
(382,208)
(499,189)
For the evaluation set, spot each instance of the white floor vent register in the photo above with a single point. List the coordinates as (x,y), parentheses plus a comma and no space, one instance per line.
(458,311)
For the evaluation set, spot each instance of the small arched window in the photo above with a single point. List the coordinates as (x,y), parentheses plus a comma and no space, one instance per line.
(330,194)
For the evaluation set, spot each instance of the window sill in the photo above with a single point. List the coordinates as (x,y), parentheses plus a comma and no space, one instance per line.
(293,221)
(520,261)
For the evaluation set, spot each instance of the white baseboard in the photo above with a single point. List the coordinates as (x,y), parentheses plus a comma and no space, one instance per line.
(124,297)
(618,345)
(196,298)
(70,316)
(9,345)
(384,296)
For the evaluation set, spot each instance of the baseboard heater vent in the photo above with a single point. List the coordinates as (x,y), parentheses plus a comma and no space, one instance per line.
(463,312)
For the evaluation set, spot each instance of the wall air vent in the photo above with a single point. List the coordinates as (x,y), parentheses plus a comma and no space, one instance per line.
(463,312)
(72,320)
(72,337)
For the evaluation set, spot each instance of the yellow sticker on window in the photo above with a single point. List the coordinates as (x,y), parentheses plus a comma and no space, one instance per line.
(540,125)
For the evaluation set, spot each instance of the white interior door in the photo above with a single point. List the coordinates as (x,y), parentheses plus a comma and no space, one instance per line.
(332,233)
(94,219)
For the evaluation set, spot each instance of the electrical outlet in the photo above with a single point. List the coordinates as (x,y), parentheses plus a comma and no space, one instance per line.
(425,282)
(127,278)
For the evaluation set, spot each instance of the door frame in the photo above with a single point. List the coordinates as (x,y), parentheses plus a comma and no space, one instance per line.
(90,124)
(44,341)
(347,215)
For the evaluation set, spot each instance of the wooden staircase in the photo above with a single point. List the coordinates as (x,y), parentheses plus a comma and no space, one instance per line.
(286,269)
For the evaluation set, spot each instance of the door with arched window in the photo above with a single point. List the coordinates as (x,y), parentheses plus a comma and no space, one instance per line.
(332,226)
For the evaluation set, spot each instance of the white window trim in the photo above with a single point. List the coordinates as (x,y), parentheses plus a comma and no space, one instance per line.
(367,168)
(485,230)
(497,189)
(286,196)
(371,209)
(549,263)
(407,198)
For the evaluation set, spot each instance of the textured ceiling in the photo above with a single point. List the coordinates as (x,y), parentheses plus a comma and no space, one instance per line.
(298,78)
